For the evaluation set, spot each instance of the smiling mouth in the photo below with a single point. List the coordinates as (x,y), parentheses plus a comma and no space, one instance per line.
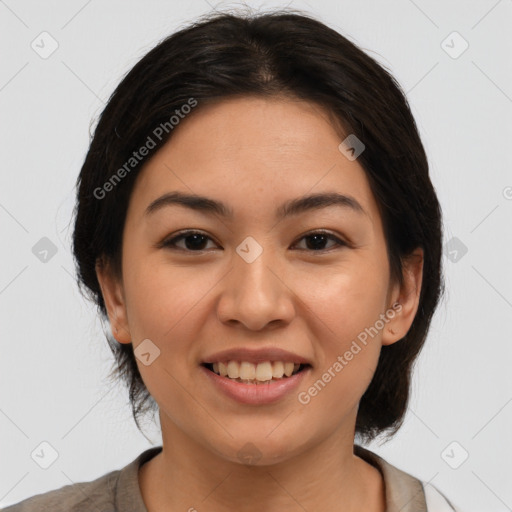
(261,373)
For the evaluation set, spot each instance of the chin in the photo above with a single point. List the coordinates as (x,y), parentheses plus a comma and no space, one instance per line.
(257,448)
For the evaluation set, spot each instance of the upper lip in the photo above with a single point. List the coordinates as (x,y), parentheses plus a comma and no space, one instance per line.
(255,356)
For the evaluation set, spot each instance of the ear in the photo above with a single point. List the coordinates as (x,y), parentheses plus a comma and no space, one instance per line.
(406,298)
(113,295)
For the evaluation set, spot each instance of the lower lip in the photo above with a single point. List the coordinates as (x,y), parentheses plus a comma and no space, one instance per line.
(256,394)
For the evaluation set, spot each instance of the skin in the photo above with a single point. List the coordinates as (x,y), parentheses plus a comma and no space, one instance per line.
(254,154)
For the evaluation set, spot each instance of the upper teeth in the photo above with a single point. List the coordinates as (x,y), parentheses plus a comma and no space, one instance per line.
(261,371)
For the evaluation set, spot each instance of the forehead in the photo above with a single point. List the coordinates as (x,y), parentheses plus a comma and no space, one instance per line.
(253,153)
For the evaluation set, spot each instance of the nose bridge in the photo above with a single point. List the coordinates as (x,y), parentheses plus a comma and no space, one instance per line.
(256,276)
(253,293)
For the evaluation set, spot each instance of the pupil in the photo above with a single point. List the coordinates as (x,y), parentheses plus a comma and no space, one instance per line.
(316,239)
(198,241)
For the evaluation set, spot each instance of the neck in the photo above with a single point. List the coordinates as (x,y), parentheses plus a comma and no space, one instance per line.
(327,476)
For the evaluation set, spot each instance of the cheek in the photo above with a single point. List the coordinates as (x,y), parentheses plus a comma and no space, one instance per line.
(345,310)
(166,306)
(348,350)
(163,298)
(347,300)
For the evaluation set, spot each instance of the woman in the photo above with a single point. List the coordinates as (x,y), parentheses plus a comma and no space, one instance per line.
(255,218)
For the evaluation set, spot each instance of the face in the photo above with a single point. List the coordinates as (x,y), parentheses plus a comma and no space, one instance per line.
(311,282)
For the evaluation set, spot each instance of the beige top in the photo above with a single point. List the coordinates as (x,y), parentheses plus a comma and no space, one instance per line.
(119,491)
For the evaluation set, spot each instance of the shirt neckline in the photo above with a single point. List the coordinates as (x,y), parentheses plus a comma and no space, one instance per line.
(128,493)
(403,492)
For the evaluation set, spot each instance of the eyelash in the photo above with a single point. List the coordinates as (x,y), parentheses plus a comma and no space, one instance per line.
(171,242)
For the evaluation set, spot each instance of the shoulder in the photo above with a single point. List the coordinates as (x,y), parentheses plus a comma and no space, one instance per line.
(115,491)
(78,497)
(403,491)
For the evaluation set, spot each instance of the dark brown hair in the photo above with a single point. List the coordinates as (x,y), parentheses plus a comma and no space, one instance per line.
(282,53)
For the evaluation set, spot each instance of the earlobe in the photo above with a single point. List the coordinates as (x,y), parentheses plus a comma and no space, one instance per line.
(113,296)
(405,298)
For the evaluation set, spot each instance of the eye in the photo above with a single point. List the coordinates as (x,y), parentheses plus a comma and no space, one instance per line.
(318,239)
(195,241)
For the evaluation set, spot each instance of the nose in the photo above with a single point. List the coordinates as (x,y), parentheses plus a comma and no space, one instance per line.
(255,295)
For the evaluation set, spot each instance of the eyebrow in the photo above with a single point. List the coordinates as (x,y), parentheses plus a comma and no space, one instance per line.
(292,207)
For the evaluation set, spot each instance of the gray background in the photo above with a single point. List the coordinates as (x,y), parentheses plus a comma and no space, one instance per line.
(54,357)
